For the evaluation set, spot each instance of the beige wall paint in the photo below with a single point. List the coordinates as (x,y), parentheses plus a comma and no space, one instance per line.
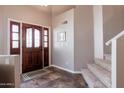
(108,22)
(1,31)
(83,37)
(78,50)
(63,52)
(21,13)
(120,63)
(113,23)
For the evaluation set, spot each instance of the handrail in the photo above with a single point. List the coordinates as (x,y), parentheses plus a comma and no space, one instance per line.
(115,38)
(8,55)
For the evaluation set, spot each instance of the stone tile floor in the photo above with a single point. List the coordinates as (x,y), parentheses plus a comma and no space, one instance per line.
(54,78)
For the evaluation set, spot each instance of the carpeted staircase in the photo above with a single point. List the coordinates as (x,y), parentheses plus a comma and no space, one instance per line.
(98,74)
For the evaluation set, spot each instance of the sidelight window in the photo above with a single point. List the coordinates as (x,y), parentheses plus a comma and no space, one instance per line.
(14,37)
(45,38)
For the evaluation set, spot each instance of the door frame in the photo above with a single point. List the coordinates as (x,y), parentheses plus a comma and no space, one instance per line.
(8,39)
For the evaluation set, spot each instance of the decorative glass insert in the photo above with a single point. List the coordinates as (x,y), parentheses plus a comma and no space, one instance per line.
(15,36)
(45,38)
(15,28)
(36,38)
(29,37)
(15,44)
(45,32)
(45,44)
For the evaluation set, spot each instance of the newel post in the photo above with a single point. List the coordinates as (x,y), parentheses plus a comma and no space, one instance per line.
(114,63)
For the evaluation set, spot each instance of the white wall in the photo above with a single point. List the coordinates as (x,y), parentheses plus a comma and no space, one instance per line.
(113,23)
(63,52)
(21,13)
(83,36)
(98,32)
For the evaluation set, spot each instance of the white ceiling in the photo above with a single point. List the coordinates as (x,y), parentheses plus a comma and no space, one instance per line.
(55,9)
(46,9)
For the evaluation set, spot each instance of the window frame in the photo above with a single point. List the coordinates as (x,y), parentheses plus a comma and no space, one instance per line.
(47,29)
(14,50)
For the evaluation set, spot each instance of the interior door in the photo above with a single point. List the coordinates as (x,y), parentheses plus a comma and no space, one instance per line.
(31,47)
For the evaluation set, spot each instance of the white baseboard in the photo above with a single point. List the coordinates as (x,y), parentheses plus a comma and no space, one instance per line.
(70,71)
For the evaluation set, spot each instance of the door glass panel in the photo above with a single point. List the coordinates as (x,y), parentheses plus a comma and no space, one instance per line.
(15,36)
(29,37)
(36,38)
(45,44)
(45,38)
(45,32)
(15,44)
(15,28)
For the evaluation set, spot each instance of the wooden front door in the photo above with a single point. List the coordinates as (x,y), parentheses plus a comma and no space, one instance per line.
(31,48)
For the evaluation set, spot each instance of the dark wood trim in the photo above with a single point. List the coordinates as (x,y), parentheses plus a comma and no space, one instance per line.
(26,25)
(14,50)
(32,57)
(46,49)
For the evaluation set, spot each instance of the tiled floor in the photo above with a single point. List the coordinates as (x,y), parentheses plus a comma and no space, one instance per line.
(54,78)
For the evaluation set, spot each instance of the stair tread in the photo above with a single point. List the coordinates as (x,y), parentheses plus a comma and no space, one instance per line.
(103,63)
(106,61)
(107,57)
(91,79)
(103,75)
